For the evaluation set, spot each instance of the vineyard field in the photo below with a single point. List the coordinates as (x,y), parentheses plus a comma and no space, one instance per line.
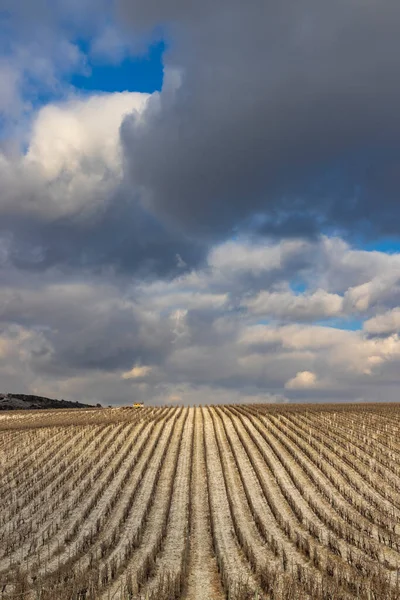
(235,502)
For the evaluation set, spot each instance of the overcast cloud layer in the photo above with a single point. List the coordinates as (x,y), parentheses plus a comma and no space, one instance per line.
(285,109)
(202,243)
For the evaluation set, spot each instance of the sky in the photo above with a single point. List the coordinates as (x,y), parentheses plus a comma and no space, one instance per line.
(199,202)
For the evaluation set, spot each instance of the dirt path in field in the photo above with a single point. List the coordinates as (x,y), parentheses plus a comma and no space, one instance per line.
(203,581)
(235,570)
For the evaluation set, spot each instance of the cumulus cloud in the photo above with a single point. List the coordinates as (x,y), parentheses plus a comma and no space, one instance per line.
(303,380)
(256,257)
(381,291)
(137,372)
(384,324)
(73,162)
(286,305)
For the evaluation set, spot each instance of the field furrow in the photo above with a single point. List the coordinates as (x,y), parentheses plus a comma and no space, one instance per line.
(234,502)
(203,581)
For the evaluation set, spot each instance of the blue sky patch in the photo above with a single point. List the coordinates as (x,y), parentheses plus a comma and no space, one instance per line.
(298,287)
(346,323)
(387,245)
(134,74)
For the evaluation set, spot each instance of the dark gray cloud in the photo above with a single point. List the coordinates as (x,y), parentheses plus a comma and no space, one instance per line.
(122,237)
(279,119)
(281,110)
(27,16)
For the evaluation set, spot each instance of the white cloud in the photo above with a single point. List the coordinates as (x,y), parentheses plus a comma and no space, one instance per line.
(170,298)
(73,164)
(287,305)
(82,134)
(178,320)
(303,380)
(362,356)
(381,291)
(74,153)
(296,337)
(255,257)
(386,323)
(137,372)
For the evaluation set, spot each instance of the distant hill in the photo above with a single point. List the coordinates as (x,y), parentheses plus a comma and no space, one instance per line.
(29,402)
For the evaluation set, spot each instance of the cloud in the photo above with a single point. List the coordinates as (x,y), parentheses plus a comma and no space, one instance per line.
(242,255)
(233,142)
(10,102)
(286,305)
(384,324)
(174,399)
(73,162)
(282,118)
(303,380)
(38,55)
(108,337)
(137,372)
(381,291)
(64,201)
(168,247)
